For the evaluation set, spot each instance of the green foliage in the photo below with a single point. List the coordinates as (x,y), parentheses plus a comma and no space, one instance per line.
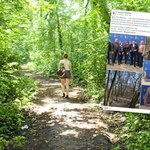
(3,143)
(15,93)
(19,142)
(45,62)
(14,86)
(117,148)
(135,135)
(11,118)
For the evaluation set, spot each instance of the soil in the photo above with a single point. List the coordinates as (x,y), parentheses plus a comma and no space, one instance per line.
(125,67)
(56,123)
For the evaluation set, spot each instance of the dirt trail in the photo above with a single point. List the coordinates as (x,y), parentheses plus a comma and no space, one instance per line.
(56,123)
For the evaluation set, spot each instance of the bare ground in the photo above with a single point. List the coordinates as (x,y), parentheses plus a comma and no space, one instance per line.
(56,123)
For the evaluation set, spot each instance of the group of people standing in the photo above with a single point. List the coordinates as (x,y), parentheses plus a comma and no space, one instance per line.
(125,51)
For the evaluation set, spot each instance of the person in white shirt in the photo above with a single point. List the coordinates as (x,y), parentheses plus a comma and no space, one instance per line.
(141,51)
(67,75)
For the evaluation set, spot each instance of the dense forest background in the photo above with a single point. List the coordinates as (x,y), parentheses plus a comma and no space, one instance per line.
(39,31)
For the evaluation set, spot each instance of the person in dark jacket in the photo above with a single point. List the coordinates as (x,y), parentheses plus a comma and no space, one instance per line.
(133,53)
(109,50)
(126,51)
(120,53)
(115,47)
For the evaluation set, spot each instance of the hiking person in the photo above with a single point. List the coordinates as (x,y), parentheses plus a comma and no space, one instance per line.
(65,78)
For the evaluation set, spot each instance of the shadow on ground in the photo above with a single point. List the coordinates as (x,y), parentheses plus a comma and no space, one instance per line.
(73,132)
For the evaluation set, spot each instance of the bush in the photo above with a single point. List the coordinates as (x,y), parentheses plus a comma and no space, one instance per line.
(3,143)
(19,142)
(11,118)
(136,134)
(15,92)
(14,86)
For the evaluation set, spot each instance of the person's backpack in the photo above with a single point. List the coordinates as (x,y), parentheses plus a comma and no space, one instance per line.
(59,72)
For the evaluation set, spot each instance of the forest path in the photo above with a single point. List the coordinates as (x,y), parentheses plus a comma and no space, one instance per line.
(56,123)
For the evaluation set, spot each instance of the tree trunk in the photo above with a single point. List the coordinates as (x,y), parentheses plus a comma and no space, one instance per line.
(59,32)
(86,23)
(110,89)
(86,6)
(134,99)
(107,83)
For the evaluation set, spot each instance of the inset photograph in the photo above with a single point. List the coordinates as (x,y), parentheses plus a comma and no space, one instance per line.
(122,89)
(125,52)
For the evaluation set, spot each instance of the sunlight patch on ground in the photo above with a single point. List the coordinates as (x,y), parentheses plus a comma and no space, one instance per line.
(29,74)
(55,84)
(46,84)
(45,100)
(112,137)
(85,125)
(69,115)
(70,132)
(72,114)
(74,93)
(54,103)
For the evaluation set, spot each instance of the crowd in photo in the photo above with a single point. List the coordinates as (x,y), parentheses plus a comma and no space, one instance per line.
(126,52)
